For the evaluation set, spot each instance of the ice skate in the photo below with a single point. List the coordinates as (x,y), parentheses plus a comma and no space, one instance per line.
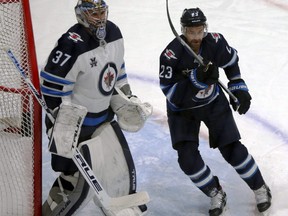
(218,200)
(263,199)
(218,203)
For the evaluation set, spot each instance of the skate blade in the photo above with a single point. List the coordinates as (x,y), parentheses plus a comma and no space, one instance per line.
(225,211)
(266,213)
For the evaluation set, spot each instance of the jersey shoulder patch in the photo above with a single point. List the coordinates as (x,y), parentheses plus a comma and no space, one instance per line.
(75,37)
(169,54)
(172,50)
(216,36)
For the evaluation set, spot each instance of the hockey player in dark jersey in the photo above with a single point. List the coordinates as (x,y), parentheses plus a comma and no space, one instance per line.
(194,96)
(85,68)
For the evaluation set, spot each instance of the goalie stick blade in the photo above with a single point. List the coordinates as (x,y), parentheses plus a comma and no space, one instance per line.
(131,200)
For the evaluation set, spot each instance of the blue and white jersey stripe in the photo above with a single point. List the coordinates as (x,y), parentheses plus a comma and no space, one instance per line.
(202,178)
(247,168)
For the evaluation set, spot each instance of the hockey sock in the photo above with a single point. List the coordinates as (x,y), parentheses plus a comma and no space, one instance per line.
(238,156)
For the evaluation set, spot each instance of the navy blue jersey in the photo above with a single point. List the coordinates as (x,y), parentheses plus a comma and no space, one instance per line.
(176,64)
(84,71)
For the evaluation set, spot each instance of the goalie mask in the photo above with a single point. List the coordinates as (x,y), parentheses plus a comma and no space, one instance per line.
(93,15)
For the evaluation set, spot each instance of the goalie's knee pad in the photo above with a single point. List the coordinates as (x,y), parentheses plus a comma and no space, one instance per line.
(109,156)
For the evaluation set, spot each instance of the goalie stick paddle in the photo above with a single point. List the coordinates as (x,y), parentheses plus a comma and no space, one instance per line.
(193,54)
(107,202)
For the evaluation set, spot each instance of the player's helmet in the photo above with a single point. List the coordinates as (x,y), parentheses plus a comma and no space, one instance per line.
(192,17)
(93,14)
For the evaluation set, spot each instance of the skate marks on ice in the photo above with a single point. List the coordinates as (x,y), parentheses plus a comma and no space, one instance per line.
(171,191)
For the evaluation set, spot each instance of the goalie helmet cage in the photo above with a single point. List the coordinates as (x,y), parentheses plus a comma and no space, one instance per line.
(20,115)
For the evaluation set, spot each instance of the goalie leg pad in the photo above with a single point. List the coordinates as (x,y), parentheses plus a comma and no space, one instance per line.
(108,161)
(109,156)
(113,165)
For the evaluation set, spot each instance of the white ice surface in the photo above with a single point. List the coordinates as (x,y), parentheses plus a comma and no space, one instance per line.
(258,29)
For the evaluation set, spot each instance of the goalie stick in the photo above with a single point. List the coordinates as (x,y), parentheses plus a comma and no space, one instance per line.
(193,54)
(107,202)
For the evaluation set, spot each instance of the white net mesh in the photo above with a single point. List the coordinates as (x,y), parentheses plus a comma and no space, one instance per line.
(16,116)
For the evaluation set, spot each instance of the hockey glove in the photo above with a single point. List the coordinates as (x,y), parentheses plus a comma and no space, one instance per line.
(203,76)
(240,90)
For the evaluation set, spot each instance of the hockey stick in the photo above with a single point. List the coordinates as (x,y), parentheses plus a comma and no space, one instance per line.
(107,202)
(193,54)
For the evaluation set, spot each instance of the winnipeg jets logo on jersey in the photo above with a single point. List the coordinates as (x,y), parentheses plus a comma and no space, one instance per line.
(169,54)
(107,79)
(75,37)
(216,36)
(202,94)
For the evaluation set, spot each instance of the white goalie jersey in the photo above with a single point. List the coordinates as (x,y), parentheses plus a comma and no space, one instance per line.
(85,73)
(81,72)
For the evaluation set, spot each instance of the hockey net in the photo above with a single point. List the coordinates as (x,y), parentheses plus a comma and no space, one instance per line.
(20,115)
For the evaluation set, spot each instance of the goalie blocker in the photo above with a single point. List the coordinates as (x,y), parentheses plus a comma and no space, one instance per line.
(66,129)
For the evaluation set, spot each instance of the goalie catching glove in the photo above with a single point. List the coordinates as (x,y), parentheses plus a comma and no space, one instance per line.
(130,111)
(66,129)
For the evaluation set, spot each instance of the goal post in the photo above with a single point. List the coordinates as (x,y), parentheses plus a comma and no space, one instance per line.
(20,115)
